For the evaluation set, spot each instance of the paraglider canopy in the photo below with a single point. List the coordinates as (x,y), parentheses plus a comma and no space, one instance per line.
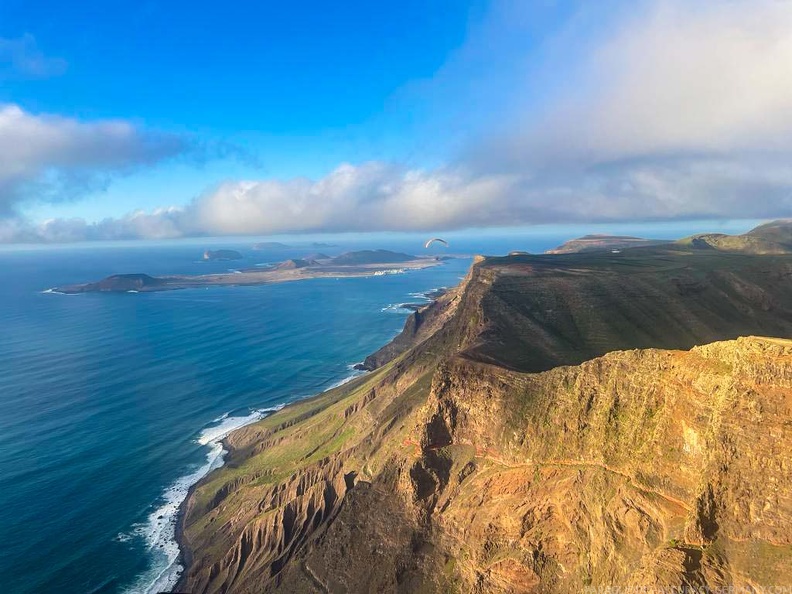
(435,240)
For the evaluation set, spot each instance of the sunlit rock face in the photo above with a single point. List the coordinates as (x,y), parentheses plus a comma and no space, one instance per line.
(516,439)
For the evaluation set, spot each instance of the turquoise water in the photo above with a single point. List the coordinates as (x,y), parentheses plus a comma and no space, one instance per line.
(111,405)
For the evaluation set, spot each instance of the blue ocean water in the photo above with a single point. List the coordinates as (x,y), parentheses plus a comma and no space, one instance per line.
(111,405)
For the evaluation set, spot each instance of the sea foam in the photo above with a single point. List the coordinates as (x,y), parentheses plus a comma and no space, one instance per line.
(159,530)
(356,373)
(396,308)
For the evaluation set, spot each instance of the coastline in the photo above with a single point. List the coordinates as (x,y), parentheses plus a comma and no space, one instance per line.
(185,557)
(143,283)
(157,529)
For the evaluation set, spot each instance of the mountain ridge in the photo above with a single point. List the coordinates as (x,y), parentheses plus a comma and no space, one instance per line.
(774,237)
(371,487)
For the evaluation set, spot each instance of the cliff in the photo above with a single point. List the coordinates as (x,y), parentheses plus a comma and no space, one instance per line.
(511,442)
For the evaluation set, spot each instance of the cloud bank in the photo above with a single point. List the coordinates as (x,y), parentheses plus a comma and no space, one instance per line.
(679,112)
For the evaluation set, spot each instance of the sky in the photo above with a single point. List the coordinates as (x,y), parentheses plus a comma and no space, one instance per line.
(159,120)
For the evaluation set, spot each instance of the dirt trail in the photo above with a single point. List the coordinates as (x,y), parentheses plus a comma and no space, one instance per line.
(488,455)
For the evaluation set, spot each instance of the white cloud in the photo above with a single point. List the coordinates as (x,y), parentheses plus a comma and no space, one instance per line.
(49,158)
(372,196)
(680,110)
(377,197)
(712,76)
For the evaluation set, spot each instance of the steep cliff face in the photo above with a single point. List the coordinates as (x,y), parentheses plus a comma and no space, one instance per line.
(287,476)
(420,326)
(471,461)
(661,468)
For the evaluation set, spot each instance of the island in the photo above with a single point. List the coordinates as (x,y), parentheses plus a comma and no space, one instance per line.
(351,264)
(270,245)
(363,257)
(318,256)
(222,255)
(121,283)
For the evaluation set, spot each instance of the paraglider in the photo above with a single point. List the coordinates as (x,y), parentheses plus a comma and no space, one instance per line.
(435,240)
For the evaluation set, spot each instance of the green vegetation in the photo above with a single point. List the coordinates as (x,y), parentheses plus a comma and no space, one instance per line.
(549,310)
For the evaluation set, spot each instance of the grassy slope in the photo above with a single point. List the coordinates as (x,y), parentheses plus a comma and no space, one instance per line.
(771,238)
(545,311)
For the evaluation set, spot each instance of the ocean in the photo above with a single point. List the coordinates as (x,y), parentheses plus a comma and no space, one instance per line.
(111,405)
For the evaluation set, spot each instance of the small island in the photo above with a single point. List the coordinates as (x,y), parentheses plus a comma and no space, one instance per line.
(220,255)
(351,264)
(270,245)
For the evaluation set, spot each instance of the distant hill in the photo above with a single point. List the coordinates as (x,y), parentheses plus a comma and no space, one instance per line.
(270,245)
(371,257)
(317,256)
(222,255)
(776,231)
(359,258)
(118,283)
(295,263)
(771,238)
(593,243)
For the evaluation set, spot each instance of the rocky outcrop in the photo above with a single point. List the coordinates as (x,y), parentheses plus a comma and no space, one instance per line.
(643,467)
(419,326)
(474,460)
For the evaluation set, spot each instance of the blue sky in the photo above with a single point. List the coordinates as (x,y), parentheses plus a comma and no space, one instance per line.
(281,68)
(292,86)
(157,120)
